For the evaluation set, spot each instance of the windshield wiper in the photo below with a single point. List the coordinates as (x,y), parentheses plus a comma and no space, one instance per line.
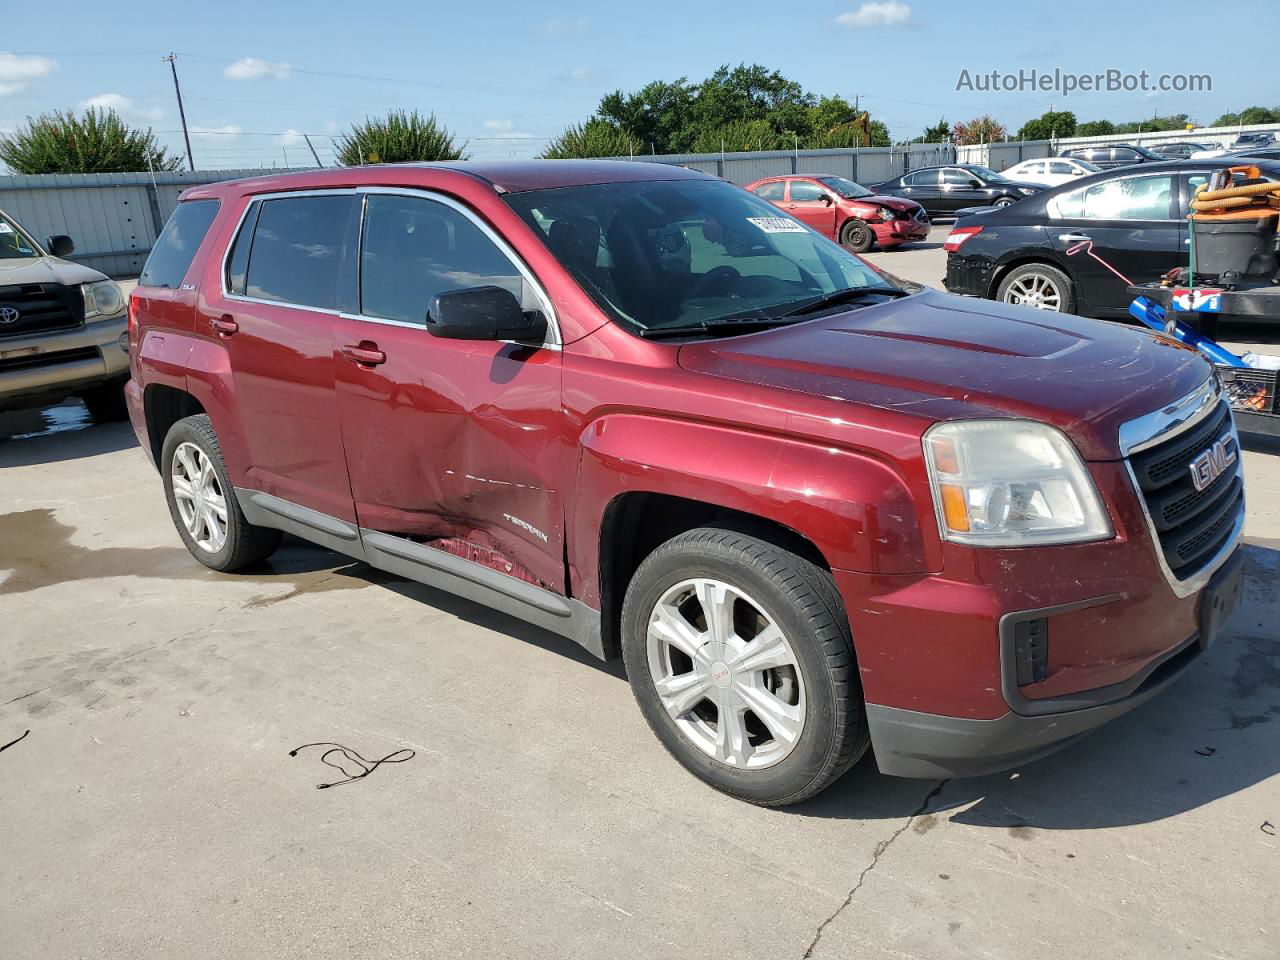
(722,325)
(837,297)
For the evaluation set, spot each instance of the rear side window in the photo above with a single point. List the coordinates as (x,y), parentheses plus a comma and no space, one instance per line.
(771,191)
(415,248)
(297,250)
(177,244)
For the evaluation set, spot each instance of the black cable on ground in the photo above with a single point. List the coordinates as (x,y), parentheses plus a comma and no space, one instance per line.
(366,766)
(12,742)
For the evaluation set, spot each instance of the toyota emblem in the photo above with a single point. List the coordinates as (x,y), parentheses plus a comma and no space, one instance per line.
(9,314)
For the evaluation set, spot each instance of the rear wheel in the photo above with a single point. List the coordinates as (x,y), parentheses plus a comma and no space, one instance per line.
(1038,285)
(1002,203)
(856,236)
(739,655)
(203,503)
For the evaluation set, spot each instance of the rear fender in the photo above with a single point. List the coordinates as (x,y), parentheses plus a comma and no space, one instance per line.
(857,510)
(209,380)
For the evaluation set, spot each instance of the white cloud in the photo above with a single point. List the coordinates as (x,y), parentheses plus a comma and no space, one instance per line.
(290,138)
(576,76)
(498,126)
(227,130)
(16,72)
(251,68)
(564,26)
(332,126)
(122,105)
(889,13)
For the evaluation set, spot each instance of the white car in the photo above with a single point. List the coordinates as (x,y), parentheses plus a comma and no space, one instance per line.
(1050,171)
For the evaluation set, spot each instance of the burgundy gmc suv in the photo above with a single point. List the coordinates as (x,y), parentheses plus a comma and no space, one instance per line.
(813,510)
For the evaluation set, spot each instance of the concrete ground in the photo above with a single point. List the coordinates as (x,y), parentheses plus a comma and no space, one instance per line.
(154,809)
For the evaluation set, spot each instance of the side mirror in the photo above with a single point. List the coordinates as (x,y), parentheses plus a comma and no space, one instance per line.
(827,200)
(60,245)
(976,184)
(483,313)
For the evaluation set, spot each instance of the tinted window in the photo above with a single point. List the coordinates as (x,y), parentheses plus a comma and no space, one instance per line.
(238,263)
(415,248)
(297,250)
(1129,198)
(957,178)
(771,191)
(803,190)
(921,178)
(1059,168)
(177,244)
(1124,153)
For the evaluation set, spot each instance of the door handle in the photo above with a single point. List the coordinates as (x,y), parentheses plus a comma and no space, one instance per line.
(224,325)
(1073,237)
(366,354)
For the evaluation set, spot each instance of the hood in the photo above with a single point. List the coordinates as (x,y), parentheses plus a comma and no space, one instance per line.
(45,270)
(893,203)
(941,357)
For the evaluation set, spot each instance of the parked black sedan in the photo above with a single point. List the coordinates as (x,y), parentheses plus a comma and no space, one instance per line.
(943,190)
(1111,155)
(1178,149)
(1075,248)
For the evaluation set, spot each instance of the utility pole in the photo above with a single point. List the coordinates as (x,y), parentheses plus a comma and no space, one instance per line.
(315,156)
(182,114)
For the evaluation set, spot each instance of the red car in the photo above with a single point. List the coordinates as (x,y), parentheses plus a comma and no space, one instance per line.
(845,211)
(813,511)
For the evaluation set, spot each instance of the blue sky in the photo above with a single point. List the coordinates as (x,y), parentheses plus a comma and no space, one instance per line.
(505,76)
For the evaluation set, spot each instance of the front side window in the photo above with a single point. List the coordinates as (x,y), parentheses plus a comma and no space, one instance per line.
(1127,198)
(415,248)
(297,252)
(13,242)
(803,191)
(176,246)
(954,177)
(772,191)
(844,187)
(679,254)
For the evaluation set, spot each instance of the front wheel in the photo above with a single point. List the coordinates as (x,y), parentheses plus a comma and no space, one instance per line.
(106,402)
(856,236)
(739,655)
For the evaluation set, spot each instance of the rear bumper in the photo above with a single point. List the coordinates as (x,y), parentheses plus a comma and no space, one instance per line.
(969,276)
(52,365)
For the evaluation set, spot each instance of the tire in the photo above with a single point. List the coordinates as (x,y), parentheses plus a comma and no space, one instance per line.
(1003,202)
(856,236)
(106,403)
(1038,285)
(800,724)
(189,446)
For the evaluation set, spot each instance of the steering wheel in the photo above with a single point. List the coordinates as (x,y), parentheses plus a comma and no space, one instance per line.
(720,274)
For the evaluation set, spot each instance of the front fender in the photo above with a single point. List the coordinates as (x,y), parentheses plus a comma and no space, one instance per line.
(856,509)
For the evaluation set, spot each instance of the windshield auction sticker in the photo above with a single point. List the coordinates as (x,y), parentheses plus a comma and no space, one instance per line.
(776,224)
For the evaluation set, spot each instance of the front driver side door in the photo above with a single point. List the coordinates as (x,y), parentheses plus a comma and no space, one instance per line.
(460,442)
(811,204)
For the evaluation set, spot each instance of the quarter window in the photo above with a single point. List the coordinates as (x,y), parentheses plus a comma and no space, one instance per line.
(297,251)
(772,191)
(176,246)
(803,190)
(415,248)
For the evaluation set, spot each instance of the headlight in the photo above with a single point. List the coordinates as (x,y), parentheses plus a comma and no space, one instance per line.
(1026,191)
(887,214)
(102,299)
(1011,483)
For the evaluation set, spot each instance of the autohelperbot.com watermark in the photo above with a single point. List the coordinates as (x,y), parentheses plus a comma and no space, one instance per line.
(1066,82)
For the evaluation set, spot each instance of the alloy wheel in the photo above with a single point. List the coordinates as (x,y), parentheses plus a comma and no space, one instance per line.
(1035,290)
(199,497)
(725,673)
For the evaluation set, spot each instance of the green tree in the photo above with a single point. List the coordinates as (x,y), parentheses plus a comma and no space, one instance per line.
(751,93)
(1259,115)
(656,116)
(595,138)
(1176,122)
(829,113)
(940,132)
(1049,125)
(97,141)
(983,129)
(1096,128)
(399,137)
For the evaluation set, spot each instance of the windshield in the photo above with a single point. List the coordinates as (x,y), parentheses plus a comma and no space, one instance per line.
(657,254)
(846,188)
(13,242)
(986,173)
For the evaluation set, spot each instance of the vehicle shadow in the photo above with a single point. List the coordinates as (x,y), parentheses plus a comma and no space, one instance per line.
(57,433)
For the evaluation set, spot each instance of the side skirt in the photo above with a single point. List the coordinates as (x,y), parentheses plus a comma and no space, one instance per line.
(435,568)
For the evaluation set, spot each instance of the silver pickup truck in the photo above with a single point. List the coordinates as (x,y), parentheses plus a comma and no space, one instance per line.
(62,328)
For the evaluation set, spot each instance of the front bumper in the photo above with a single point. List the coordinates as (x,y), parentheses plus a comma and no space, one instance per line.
(44,366)
(899,231)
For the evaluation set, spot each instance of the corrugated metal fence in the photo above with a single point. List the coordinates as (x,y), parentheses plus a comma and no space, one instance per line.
(114,218)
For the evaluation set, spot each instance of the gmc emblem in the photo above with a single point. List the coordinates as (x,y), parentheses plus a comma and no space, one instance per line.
(1213,463)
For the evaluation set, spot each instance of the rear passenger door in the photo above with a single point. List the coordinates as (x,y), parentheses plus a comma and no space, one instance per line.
(457,441)
(289,272)
(922,187)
